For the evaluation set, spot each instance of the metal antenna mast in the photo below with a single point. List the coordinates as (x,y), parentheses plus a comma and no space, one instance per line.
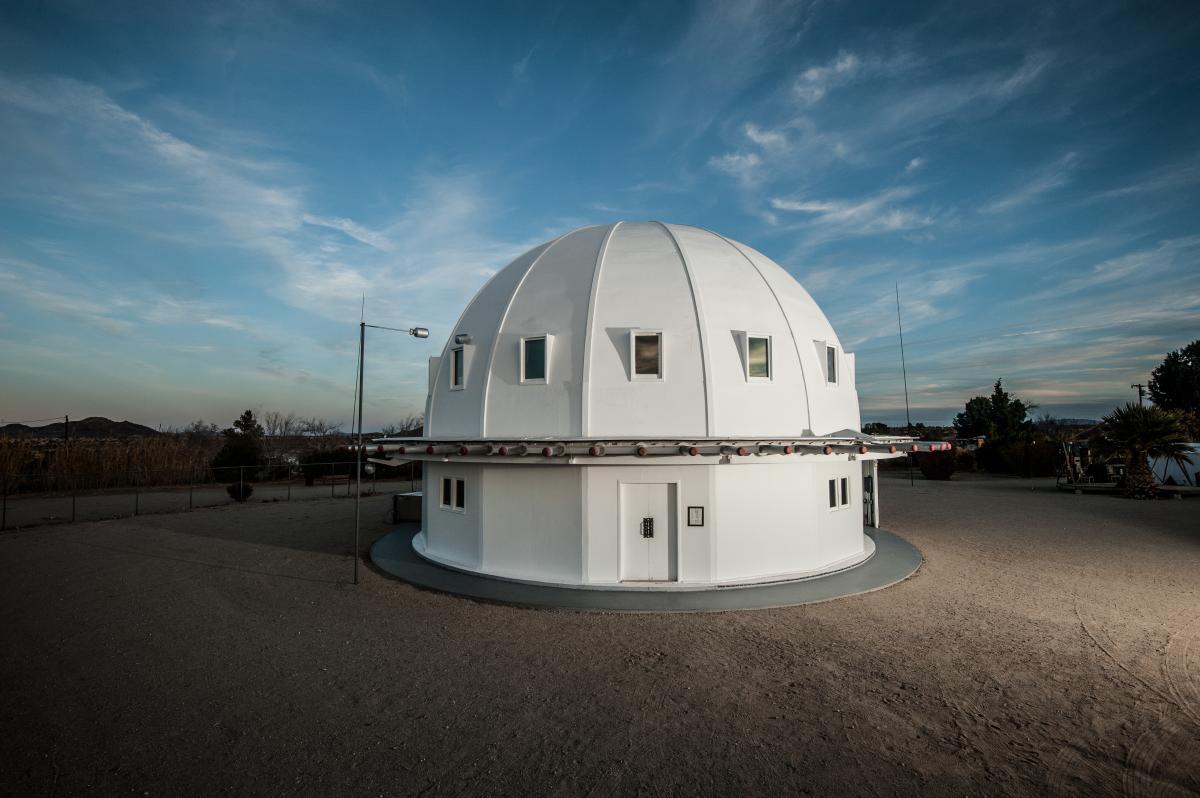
(904,372)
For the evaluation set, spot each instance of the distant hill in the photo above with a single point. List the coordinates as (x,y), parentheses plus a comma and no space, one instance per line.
(92,427)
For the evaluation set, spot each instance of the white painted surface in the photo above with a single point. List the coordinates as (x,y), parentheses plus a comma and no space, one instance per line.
(451,534)
(531,522)
(592,287)
(648,532)
(571,522)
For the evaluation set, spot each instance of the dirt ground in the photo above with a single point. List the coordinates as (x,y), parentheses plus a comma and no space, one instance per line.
(1049,645)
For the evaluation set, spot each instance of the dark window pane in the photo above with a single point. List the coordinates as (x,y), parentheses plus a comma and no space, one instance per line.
(456,363)
(646,354)
(833,493)
(845,491)
(831,355)
(460,497)
(535,359)
(760,357)
(446,492)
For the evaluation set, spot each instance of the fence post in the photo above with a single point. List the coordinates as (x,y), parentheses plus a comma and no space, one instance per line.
(4,501)
(332,483)
(137,497)
(241,489)
(73,490)
(289,498)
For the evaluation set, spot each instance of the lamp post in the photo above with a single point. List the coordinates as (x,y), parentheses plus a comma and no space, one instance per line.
(415,332)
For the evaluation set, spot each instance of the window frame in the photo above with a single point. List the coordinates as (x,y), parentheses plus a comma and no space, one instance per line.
(634,376)
(839,493)
(458,489)
(545,338)
(746,338)
(458,363)
(833,366)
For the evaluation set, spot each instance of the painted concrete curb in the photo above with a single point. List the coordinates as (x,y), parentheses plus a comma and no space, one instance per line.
(895,560)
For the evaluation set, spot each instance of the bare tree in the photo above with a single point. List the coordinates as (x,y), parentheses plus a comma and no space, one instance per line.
(408,426)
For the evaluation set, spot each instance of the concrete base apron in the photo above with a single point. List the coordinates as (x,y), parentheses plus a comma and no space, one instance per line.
(895,560)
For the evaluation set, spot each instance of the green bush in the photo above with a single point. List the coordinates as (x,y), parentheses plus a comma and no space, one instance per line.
(964,460)
(936,465)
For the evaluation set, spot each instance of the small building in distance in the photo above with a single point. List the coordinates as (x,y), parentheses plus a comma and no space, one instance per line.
(645,405)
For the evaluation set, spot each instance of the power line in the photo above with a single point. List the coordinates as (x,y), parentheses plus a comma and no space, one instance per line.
(33,420)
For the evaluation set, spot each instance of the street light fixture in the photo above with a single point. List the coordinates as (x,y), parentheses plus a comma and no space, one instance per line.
(415,332)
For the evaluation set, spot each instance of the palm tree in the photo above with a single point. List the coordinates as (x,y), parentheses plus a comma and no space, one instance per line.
(1139,433)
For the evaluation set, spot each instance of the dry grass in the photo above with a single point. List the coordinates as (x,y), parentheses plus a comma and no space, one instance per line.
(36,465)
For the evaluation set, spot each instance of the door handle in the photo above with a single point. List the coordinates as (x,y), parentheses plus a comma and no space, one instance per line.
(648,527)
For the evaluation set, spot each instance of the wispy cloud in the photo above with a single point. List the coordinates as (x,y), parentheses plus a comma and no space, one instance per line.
(814,82)
(740,165)
(1051,177)
(878,213)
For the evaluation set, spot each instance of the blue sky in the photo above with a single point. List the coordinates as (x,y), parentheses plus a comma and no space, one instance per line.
(194,197)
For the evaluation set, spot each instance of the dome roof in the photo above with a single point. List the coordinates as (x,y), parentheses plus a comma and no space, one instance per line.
(647,330)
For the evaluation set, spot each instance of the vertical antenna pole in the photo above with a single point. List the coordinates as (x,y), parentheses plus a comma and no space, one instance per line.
(904,372)
(362,338)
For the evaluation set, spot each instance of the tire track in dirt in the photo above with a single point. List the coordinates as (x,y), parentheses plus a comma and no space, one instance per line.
(1181,667)
(1150,770)
(1150,767)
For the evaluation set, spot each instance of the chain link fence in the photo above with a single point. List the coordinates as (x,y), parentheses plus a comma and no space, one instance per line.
(35,499)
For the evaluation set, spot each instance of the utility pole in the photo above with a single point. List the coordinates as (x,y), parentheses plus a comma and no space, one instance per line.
(362,339)
(1141,389)
(416,332)
(904,371)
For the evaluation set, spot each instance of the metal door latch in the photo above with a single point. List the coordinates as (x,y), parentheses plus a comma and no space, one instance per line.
(647,527)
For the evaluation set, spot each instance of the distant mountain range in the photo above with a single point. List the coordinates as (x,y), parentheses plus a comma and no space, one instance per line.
(91,427)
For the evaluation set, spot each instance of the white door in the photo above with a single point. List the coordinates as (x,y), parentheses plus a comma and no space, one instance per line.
(648,532)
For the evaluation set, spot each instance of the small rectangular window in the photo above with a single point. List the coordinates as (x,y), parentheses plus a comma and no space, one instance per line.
(833,493)
(533,360)
(831,360)
(845,491)
(456,367)
(460,494)
(647,355)
(758,357)
(447,492)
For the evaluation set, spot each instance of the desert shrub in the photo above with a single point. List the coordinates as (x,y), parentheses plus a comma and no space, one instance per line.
(936,465)
(990,458)
(239,491)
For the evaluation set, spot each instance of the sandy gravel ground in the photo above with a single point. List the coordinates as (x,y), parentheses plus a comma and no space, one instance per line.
(1050,645)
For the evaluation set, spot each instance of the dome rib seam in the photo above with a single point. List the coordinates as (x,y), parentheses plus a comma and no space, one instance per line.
(782,312)
(487,376)
(697,308)
(585,398)
(437,378)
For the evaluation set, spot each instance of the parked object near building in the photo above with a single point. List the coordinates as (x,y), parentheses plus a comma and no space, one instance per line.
(1175,473)
(648,406)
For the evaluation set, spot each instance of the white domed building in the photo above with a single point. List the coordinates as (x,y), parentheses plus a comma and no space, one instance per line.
(644,405)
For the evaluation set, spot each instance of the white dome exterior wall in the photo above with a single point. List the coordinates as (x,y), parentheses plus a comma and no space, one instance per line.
(642,284)
(703,292)
(561,524)
(553,299)
(458,412)
(832,407)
